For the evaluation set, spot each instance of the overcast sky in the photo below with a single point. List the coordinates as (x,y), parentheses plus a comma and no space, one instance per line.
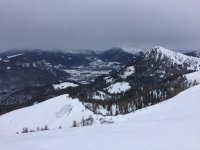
(99,24)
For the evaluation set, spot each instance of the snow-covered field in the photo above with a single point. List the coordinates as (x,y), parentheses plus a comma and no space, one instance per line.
(171,125)
(64,85)
(58,111)
(194,76)
(178,58)
(118,87)
(128,72)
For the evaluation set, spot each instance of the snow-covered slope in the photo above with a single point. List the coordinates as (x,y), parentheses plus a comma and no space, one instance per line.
(173,124)
(64,85)
(55,112)
(128,72)
(193,77)
(176,57)
(119,87)
(152,67)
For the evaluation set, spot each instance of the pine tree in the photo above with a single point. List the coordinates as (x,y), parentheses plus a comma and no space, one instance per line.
(74,124)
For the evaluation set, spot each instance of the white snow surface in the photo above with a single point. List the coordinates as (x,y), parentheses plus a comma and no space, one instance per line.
(171,125)
(178,58)
(64,85)
(109,79)
(128,72)
(194,76)
(55,112)
(118,87)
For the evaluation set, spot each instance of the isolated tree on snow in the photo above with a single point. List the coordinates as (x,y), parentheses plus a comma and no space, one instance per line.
(46,127)
(25,130)
(74,124)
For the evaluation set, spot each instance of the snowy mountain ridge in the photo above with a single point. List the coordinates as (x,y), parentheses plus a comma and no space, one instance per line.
(154,76)
(175,57)
(159,60)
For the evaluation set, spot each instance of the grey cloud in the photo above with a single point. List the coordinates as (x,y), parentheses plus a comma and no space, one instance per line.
(99,24)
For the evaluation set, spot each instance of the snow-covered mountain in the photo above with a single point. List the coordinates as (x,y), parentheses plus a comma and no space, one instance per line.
(173,124)
(151,67)
(155,75)
(156,65)
(191,63)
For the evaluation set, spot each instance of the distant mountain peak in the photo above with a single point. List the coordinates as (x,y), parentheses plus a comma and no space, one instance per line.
(160,49)
(175,57)
(157,64)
